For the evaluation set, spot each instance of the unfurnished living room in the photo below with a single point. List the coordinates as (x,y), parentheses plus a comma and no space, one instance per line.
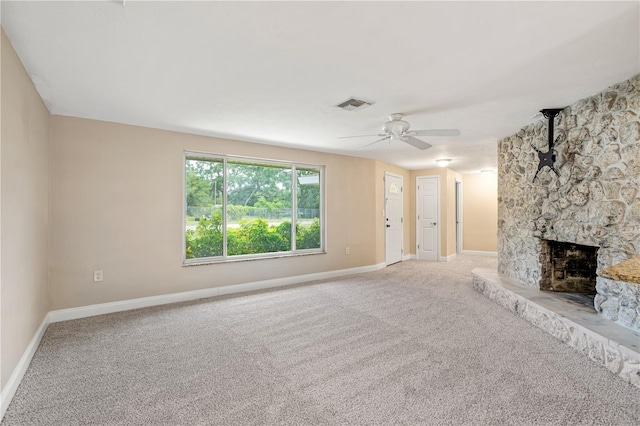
(320,213)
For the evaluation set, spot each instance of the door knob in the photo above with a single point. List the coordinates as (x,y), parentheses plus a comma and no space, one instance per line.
(388,226)
(433,223)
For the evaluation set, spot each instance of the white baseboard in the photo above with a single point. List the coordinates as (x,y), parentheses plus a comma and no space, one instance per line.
(124,305)
(409,257)
(10,388)
(480,253)
(143,302)
(448,258)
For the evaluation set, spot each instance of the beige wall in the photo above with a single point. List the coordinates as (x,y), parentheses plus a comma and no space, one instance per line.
(408,189)
(480,212)
(447,208)
(24,170)
(116,205)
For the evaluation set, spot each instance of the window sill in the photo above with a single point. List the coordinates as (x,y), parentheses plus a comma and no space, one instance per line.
(214,261)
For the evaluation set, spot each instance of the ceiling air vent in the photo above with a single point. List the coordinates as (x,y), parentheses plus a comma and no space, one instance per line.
(353,104)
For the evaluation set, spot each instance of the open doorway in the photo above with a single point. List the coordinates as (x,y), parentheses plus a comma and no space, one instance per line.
(459,216)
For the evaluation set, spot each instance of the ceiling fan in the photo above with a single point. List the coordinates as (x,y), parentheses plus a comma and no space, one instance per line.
(398,129)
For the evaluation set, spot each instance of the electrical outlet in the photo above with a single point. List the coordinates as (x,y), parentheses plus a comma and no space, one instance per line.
(347,250)
(98,276)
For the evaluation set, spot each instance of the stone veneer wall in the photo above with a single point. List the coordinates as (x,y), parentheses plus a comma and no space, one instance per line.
(594,201)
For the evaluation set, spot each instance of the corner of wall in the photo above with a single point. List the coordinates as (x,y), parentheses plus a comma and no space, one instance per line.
(25,202)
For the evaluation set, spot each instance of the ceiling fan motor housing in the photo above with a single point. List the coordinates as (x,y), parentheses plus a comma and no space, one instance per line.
(396,126)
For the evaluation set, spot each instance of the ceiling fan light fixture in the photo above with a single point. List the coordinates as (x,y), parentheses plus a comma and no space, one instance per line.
(444,162)
(396,129)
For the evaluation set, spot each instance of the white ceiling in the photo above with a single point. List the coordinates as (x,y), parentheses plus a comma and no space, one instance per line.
(272,72)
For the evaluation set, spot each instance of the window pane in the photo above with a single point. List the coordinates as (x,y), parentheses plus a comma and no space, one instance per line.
(308,208)
(204,192)
(258,208)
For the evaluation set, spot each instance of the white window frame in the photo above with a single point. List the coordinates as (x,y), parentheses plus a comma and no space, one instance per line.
(225,258)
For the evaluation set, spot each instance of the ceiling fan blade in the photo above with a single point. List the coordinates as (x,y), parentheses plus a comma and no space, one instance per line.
(417,143)
(379,140)
(358,136)
(435,132)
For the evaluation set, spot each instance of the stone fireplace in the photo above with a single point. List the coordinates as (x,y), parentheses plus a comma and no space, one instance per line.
(593,202)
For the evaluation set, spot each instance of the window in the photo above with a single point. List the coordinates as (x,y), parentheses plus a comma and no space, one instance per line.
(242,208)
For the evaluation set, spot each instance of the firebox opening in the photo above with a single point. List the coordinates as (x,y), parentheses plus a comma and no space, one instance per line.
(568,267)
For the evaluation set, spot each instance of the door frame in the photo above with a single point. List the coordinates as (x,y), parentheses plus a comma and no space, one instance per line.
(437,178)
(459,210)
(401,215)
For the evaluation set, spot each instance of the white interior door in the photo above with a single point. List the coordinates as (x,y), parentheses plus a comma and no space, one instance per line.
(393,217)
(427,238)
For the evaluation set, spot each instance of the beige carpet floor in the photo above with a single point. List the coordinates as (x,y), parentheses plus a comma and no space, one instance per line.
(412,344)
